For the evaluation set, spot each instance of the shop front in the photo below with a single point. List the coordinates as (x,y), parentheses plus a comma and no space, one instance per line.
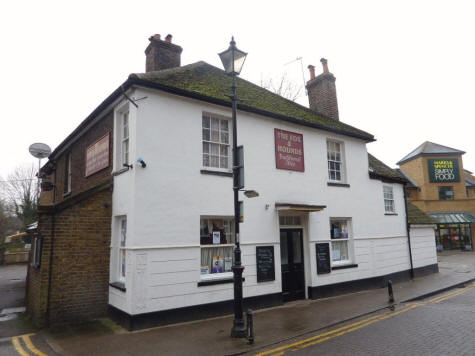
(454,231)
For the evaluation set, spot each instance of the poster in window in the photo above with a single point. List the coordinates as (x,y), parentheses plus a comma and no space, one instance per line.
(289,150)
(97,156)
(218,264)
(216,237)
(204,270)
(228,263)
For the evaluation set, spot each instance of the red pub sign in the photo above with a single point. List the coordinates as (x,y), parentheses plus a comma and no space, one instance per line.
(289,150)
(97,156)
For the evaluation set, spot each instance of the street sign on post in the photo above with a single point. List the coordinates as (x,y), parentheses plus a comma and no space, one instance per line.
(240,166)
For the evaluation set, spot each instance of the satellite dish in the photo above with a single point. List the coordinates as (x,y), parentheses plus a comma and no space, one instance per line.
(40,150)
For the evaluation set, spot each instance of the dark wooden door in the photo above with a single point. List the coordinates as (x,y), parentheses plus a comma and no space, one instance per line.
(293,273)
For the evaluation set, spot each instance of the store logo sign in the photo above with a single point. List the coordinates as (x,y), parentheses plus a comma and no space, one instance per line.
(289,150)
(443,170)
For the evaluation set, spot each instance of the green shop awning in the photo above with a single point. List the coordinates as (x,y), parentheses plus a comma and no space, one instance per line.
(453,218)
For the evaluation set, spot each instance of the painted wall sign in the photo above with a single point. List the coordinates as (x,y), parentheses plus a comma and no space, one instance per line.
(289,150)
(265,263)
(97,156)
(443,170)
(323,258)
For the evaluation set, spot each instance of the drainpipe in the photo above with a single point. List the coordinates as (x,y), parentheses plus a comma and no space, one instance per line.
(408,232)
(50,271)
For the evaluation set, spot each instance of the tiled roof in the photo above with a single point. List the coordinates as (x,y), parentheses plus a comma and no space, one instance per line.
(417,216)
(430,148)
(411,183)
(204,81)
(378,169)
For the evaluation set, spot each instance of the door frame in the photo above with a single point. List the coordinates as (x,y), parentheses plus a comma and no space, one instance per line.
(303,253)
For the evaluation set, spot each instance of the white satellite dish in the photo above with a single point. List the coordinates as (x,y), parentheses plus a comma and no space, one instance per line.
(40,150)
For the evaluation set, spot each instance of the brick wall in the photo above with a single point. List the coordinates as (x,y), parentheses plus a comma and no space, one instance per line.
(76,233)
(322,95)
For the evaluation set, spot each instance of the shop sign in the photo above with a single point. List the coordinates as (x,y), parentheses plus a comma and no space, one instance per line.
(443,170)
(97,156)
(289,150)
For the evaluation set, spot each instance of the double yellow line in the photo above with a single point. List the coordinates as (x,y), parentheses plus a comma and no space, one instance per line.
(320,338)
(16,341)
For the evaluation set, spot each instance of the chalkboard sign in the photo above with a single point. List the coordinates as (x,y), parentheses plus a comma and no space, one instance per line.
(323,258)
(265,263)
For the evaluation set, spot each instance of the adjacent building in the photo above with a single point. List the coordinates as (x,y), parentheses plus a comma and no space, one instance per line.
(137,209)
(442,188)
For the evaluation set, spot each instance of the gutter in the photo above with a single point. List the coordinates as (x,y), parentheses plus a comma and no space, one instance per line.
(408,229)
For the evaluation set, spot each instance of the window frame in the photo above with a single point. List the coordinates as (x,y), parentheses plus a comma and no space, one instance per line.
(67,174)
(122,249)
(348,239)
(341,162)
(388,199)
(124,154)
(217,275)
(445,188)
(210,142)
(36,251)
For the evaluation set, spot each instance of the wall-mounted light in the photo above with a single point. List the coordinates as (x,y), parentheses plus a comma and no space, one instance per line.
(142,162)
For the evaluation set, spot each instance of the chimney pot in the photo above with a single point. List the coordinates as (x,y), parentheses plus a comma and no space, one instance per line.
(168,38)
(325,65)
(155,37)
(162,54)
(311,68)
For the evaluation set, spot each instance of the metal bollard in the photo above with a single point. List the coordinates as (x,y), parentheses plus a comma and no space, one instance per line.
(390,291)
(250,327)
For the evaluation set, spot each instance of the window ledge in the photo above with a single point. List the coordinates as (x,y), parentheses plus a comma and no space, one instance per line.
(210,282)
(390,213)
(334,184)
(118,285)
(216,173)
(353,265)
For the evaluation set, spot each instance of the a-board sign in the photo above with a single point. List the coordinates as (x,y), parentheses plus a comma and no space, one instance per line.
(265,263)
(323,258)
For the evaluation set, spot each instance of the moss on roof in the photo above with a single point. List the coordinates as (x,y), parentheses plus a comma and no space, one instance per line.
(208,81)
(417,216)
(376,167)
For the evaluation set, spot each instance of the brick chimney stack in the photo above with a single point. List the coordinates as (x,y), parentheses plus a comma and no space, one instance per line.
(162,54)
(322,92)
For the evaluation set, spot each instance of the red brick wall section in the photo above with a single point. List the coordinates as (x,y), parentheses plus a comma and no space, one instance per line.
(80,265)
(79,182)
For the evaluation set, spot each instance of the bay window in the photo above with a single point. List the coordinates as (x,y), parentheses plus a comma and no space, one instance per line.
(217,243)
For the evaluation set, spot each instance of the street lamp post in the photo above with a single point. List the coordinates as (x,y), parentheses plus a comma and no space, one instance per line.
(233,60)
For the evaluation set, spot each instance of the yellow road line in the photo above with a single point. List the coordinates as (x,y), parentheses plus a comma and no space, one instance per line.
(17,345)
(295,344)
(31,347)
(317,339)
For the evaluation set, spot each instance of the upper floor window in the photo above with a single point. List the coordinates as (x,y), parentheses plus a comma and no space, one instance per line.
(446,193)
(67,174)
(215,142)
(124,129)
(388,199)
(335,161)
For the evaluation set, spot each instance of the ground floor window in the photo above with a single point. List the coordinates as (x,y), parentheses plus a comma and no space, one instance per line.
(122,251)
(340,240)
(217,243)
(453,237)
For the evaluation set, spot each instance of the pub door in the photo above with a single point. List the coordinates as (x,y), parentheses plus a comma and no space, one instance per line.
(293,270)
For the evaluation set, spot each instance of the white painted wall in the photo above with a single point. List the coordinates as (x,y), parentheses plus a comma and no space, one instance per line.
(424,251)
(164,202)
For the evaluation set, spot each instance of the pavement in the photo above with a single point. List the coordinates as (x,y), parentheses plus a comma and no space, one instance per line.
(271,326)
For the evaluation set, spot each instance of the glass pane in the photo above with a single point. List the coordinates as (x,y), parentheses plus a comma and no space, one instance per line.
(205,121)
(223,150)
(122,263)
(340,250)
(214,136)
(224,137)
(284,253)
(296,247)
(206,160)
(214,124)
(205,147)
(214,161)
(216,259)
(123,232)
(224,162)
(206,134)
(224,125)
(214,149)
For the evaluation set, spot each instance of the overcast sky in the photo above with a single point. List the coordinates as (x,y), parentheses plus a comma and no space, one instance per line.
(405,69)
